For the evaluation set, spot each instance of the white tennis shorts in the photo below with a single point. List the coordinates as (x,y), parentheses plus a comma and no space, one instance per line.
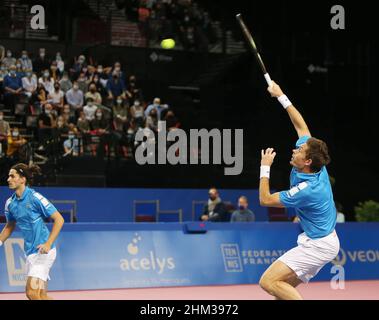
(39,265)
(307,259)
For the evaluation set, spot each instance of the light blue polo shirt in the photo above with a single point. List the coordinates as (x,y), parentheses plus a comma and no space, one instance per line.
(312,197)
(28,212)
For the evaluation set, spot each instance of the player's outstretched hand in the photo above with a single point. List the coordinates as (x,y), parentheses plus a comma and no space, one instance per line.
(275,90)
(268,156)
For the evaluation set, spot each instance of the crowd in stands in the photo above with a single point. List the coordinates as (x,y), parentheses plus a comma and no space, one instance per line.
(75,108)
(185,21)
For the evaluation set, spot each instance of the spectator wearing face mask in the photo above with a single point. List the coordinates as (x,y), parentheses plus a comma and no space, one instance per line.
(117,69)
(71,146)
(74,98)
(79,64)
(68,114)
(55,72)
(132,90)
(3,73)
(5,131)
(9,60)
(12,88)
(56,97)
(26,61)
(29,83)
(115,86)
(46,124)
(152,121)
(90,109)
(120,123)
(137,114)
(94,94)
(60,62)
(19,69)
(41,62)
(47,81)
(65,83)
(243,214)
(100,127)
(62,126)
(156,106)
(215,210)
(15,143)
(83,82)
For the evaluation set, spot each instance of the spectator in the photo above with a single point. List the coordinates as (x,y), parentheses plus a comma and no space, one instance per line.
(100,127)
(99,86)
(119,136)
(41,62)
(65,83)
(90,110)
(117,69)
(171,121)
(83,124)
(9,60)
(157,106)
(132,91)
(152,120)
(137,114)
(340,215)
(5,132)
(29,83)
(62,126)
(78,65)
(68,114)
(74,98)
(47,81)
(215,210)
(55,72)
(93,94)
(71,145)
(15,143)
(46,124)
(83,82)
(12,88)
(60,62)
(115,86)
(56,97)
(19,70)
(243,214)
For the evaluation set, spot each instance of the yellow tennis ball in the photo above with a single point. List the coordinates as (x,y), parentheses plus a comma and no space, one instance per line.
(168,43)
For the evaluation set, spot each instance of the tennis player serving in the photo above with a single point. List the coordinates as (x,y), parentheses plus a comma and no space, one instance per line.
(311,196)
(27,208)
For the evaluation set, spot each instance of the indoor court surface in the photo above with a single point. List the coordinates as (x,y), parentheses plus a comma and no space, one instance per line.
(354,290)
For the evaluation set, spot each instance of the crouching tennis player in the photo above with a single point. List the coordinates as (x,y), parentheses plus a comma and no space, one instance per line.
(27,208)
(311,196)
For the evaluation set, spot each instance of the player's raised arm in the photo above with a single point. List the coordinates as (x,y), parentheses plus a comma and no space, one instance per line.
(295,116)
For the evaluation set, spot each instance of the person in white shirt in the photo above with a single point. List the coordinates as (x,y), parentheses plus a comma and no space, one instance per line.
(56,97)
(47,81)
(29,83)
(90,109)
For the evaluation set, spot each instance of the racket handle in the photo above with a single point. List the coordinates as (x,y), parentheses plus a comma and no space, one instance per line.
(268,79)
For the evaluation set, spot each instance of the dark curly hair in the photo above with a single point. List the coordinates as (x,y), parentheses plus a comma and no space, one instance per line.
(27,172)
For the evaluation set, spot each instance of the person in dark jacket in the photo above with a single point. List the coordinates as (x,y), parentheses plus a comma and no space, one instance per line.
(215,210)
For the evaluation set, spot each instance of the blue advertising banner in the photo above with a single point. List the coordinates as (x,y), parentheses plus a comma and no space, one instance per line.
(120,205)
(104,256)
